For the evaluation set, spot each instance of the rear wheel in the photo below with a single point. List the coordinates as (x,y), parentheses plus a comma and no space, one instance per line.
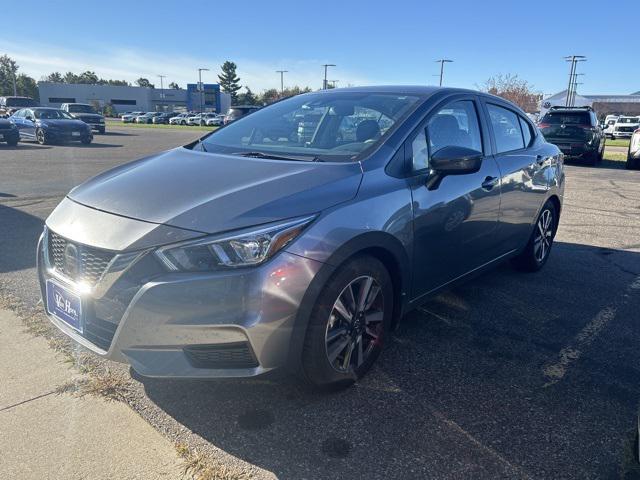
(536,253)
(348,324)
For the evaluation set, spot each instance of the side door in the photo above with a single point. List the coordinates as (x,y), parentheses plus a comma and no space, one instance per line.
(29,124)
(523,177)
(18,120)
(455,222)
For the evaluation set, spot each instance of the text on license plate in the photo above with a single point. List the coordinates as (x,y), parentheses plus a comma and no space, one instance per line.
(64,305)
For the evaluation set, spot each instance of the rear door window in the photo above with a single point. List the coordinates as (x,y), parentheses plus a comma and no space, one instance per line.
(506,129)
(526,131)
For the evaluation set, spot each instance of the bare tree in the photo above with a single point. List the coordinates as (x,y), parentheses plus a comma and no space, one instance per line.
(514,89)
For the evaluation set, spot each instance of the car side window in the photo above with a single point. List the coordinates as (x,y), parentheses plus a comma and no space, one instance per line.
(454,125)
(526,131)
(506,129)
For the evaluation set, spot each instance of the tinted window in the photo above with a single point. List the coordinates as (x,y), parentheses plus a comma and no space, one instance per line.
(526,131)
(455,125)
(20,102)
(506,129)
(568,118)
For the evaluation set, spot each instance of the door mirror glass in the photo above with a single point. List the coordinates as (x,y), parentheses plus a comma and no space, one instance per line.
(454,160)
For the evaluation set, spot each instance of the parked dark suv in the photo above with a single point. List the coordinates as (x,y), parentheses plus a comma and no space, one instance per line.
(576,131)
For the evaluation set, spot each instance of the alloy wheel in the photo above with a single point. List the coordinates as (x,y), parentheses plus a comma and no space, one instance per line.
(40,136)
(355,324)
(544,236)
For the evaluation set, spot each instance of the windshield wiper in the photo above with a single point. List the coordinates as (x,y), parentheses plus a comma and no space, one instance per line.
(271,156)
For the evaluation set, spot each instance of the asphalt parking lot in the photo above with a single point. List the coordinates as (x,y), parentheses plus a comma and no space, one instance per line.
(509,376)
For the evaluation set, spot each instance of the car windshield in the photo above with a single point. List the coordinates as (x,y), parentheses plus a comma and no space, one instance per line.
(629,120)
(52,115)
(20,102)
(327,126)
(81,109)
(567,118)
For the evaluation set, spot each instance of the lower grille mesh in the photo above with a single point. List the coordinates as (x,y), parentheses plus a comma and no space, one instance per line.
(230,355)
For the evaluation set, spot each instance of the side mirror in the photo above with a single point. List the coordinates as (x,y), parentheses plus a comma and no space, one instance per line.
(29,117)
(452,161)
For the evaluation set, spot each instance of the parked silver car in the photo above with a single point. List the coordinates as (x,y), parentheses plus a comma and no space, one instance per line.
(259,247)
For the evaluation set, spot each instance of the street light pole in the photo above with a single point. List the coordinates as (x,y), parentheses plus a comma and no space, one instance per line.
(324,83)
(574,59)
(442,61)
(201,88)
(282,72)
(162,77)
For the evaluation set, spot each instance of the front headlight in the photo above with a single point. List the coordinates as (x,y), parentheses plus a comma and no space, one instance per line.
(239,249)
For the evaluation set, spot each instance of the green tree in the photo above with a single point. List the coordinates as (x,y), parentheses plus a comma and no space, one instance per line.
(8,72)
(247,98)
(229,81)
(174,86)
(27,87)
(88,77)
(70,77)
(118,83)
(270,96)
(55,77)
(144,82)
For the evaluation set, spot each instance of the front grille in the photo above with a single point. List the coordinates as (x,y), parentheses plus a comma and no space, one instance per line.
(230,355)
(625,129)
(77,262)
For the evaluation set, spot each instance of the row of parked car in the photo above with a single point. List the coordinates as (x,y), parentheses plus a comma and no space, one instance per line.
(209,119)
(579,135)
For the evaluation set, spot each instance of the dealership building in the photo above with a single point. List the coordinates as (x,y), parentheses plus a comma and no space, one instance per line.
(602,104)
(129,99)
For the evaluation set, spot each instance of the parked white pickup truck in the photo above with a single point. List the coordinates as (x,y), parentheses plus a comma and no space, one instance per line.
(625,126)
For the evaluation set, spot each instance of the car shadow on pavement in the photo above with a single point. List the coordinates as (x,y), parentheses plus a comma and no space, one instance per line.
(25,146)
(116,134)
(18,243)
(511,375)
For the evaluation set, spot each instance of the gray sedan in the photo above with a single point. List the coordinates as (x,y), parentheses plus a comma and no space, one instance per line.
(298,236)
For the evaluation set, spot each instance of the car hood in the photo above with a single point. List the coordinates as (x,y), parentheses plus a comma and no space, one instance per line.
(211,193)
(63,124)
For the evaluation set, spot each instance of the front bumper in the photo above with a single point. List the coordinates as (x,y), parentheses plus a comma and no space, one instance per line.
(9,135)
(155,321)
(62,136)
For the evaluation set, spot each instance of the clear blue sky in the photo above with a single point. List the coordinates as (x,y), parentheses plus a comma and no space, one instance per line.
(371,42)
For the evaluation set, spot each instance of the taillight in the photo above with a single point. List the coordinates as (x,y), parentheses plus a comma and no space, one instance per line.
(543,125)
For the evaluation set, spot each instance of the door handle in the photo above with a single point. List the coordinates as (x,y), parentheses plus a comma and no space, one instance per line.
(489,183)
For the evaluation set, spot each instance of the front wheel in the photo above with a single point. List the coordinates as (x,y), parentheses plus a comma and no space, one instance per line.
(348,324)
(41,137)
(86,140)
(536,253)
(12,142)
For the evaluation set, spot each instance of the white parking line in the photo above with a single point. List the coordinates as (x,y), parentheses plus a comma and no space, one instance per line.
(572,352)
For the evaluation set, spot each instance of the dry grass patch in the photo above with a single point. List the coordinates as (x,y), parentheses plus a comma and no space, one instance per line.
(200,466)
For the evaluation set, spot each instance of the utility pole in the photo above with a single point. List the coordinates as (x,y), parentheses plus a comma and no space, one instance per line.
(574,59)
(333,83)
(201,88)
(442,61)
(282,72)
(324,83)
(162,77)
(15,89)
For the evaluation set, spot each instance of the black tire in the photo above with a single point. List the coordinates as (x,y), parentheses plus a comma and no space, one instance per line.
(41,137)
(102,130)
(12,142)
(318,369)
(531,259)
(86,140)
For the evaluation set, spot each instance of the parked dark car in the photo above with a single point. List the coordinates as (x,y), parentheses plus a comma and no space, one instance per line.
(163,118)
(8,132)
(239,111)
(576,132)
(86,113)
(259,248)
(50,125)
(10,105)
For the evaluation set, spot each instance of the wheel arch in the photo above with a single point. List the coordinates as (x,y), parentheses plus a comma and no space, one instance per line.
(381,245)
